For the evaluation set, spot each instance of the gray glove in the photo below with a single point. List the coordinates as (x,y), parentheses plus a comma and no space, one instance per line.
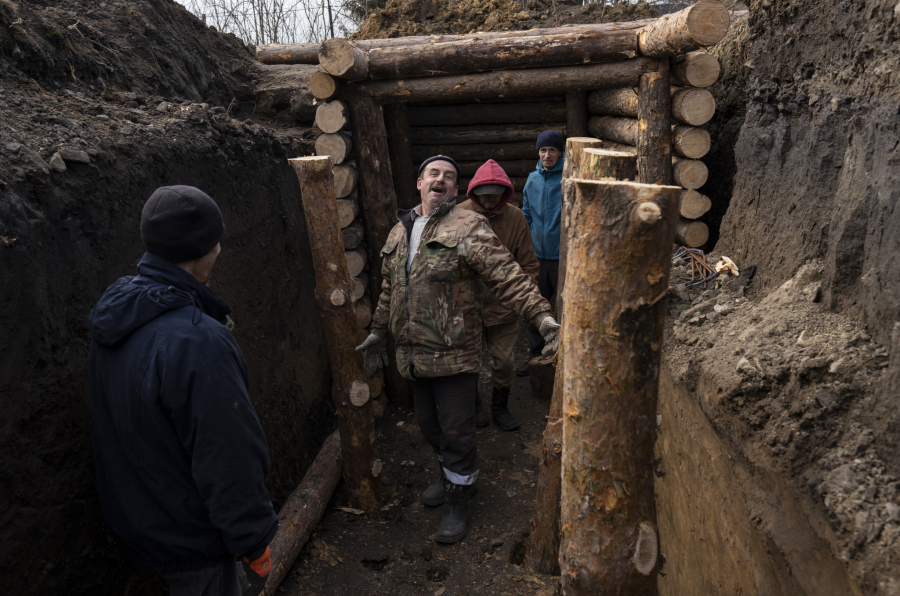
(549,330)
(374,351)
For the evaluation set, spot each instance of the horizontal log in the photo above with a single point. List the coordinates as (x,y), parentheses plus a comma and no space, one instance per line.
(290,53)
(338,146)
(363,311)
(689,173)
(332,116)
(352,235)
(528,82)
(495,151)
(356,261)
(694,204)
(376,386)
(689,105)
(347,211)
(614,102)
(696,69)
(691,233)
(345,179)
(487,113)
(358,286)
(322,85)
(518,167)
(497,133)
(341,58)
(695,27)
(690,141)
(687,141)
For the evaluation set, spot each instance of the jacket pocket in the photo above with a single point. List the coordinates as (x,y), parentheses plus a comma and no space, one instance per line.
(441,261)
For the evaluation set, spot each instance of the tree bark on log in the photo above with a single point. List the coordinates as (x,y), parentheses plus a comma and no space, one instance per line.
(352,235)
(575,155)
(689,173)
(497,133)
(303,510)
(691,233)
(614,102)
(350,391)
(338,146)
(379,205)
(356,261)
(332,116)
(341,59)
(690,141)
(345,179)
(290,53)
(528,82)
(603,164)
(654,146)
(576,114)
(488,113)
(687,141)
(347,211)
(693,106)
(396,121)
(513,168)
(699,26)
(620,250)
(694,204)
(696,69)
(322,85)
(495,151)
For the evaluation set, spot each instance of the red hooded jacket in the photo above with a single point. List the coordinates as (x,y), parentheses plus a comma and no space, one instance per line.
(491,173)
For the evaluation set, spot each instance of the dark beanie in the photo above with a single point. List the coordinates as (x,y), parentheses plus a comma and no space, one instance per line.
(449,160)
(181,223)
(551,138)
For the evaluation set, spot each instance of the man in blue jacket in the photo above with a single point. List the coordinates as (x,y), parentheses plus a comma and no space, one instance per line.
(542,204)
(180,456)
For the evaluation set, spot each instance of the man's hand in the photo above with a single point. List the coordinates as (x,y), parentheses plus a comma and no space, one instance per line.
(549,330)
(255,573)
(374,351)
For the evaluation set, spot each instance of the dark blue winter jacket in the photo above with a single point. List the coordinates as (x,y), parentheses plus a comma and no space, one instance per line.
(542,205)
(181,458)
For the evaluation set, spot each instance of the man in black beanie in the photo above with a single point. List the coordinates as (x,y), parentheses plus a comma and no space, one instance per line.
(180,455)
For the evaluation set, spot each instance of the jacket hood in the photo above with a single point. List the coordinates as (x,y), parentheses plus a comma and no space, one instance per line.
(557,168)
(491,173)
(132,302)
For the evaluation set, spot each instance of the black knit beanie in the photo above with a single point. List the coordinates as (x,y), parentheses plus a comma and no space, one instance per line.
(551,138)
(181,223)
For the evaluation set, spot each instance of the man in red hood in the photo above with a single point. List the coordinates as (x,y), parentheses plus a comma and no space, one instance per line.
(489,194)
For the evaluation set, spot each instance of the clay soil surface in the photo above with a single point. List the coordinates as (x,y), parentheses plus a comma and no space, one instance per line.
(393,551)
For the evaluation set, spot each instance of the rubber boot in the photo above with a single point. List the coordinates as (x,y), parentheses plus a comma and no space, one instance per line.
(499,411)
(481,417)
(452,527)
(434,494)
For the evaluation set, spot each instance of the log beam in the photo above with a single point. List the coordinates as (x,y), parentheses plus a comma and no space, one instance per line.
(496,133)
(487,113)
(576,114)
(341,59)
(323,86)
(691,233)
(690,106)
(290,53)
(694,204)
(699,26)
(687,141)
(332,116)
(338,146)
(345,178)
(604,164)
(690,141)
(689,173)
(333,292)
(618,271)
(495,151)
(696,69)
(654,142)
(400,135)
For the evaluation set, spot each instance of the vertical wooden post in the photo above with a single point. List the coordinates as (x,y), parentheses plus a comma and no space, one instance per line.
(620,250)
(379,204)
(333,293)
(396,121)
(654,146)
(576,114)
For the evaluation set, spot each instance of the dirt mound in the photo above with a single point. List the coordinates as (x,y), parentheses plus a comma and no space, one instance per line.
(401,18)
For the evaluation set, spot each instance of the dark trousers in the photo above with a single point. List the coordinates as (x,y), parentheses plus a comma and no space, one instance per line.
(547,282)
(221,580)
(445,408)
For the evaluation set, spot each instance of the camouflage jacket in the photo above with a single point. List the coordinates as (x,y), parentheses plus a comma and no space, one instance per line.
(434,313)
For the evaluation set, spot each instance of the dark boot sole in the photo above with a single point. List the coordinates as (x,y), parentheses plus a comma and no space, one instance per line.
(451,539)
(433,503)
(507,428)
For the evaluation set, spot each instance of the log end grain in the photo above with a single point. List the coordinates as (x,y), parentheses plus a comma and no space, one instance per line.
(337,146)
(322,85)
(345,178)
(359,393)
(696,69)
(693,106)
(691,141)
(332,116)
(694,204)
(691,233)
(340,58)
(708,22)
(356,261)
(646,549)
(689,173)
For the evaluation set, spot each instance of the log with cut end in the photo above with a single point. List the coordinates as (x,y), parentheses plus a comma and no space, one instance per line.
(603,164)
(322,85)
(338,146)
(654,142)
(356,261)
(620,130)
(699,26)
(291,53)
(483,152)
(376,386)
(347,210)
(339,58)
(696,69)
(693,106)
(359,284)
(575,154)
(332,116)
(345,179)
(690,141)
(303,510)
(496,133)
(689,173)
(536,112)
(694,204)
(352,235)
(619,255)
(691,233)
(363,311)
(614,102)
(527,82)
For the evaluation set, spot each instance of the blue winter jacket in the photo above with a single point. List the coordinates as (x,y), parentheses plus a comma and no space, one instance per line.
(180,455)
(541,205)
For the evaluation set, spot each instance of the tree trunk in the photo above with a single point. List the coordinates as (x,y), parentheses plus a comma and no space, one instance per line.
(529,82)
(322,85)
(352,235)
(513,168)
(693,106)
(333,295)
(689,173)
(690,141)
(654,143)
(694,205)
(345,178)
(291,53)
(691,233)
(575,148)
(396,122)
(603,164)
(620,250)
(338,146)
(303,510)
(698,26)
(496,133)
(341,59)
(614,102)
(480,152)
(347,210)
(576,114)
(696,69)
(356,261)
(542,112)
(379,204)
(332,116)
